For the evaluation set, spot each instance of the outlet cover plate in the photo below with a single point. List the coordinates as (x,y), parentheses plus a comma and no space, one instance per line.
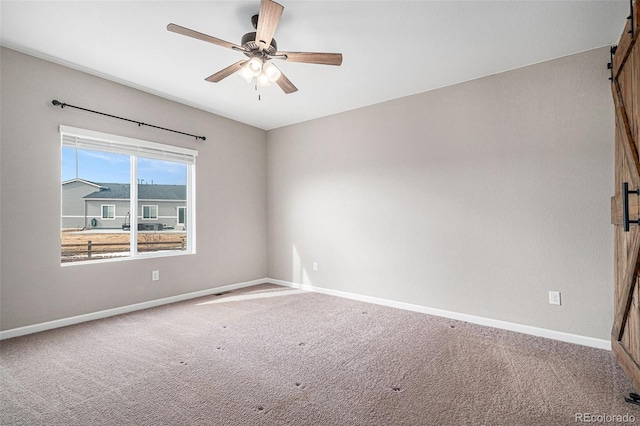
(554,298)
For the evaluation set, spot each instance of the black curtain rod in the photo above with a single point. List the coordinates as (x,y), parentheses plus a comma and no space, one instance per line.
(62,105)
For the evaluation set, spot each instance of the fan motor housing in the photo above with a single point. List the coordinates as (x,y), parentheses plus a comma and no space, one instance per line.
(249,42)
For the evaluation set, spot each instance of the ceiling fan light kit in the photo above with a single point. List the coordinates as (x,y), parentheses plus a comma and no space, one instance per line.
(260,47)
(264,72)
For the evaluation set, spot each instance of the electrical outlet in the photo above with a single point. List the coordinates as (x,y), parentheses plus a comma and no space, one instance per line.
(554,298)
(155,275)
(315,266)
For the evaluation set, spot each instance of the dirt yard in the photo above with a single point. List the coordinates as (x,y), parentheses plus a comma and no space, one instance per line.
(74,244)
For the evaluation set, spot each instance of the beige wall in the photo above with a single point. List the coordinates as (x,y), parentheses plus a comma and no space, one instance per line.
(231,195)
(477,198)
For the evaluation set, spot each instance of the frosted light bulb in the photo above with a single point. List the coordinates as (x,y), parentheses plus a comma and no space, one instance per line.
(263,80)
(254,66)
(246,73)
(272,72)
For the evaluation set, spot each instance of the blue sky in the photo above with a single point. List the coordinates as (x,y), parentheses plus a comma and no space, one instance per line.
(107,167)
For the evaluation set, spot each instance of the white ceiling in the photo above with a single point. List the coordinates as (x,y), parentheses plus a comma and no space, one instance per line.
(391,48)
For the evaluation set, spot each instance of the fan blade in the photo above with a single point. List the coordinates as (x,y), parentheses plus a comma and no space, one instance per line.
(286,85)
(200,36)
(226,72)
(268,19)
(313,58)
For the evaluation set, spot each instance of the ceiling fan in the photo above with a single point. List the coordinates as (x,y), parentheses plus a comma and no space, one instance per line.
(260,47)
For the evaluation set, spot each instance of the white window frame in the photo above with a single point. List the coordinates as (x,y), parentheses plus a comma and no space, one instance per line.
(102,206)
(150,206)
(135,148)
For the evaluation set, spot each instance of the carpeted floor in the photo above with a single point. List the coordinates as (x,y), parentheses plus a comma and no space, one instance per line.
(269,355)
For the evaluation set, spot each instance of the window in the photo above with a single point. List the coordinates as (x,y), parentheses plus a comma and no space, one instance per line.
(124,198)
(150,212)
(108,211)
(182,214)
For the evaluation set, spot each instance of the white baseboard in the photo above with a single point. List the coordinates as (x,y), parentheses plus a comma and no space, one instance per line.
(21,331)
(525,329)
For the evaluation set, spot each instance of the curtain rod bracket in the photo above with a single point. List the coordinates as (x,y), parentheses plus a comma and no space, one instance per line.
(140,124)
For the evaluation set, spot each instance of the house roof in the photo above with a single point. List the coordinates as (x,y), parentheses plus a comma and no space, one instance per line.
(87,182)
(145,192)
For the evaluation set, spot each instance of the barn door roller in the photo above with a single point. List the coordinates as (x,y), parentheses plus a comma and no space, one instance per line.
(625,205)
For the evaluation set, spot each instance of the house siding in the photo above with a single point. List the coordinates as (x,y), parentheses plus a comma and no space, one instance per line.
(167,212)
(73,205)
(94,211)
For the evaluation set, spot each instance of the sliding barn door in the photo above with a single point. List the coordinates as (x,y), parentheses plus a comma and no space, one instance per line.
(625,205)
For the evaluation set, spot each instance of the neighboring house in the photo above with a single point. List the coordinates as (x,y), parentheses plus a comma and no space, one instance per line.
(87,204)
(73,203)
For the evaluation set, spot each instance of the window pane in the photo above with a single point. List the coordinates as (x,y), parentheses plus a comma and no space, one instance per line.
(108,212)
(92,229)
(149,212)
(162,188)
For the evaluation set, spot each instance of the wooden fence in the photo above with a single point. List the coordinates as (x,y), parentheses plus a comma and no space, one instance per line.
(91,248)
